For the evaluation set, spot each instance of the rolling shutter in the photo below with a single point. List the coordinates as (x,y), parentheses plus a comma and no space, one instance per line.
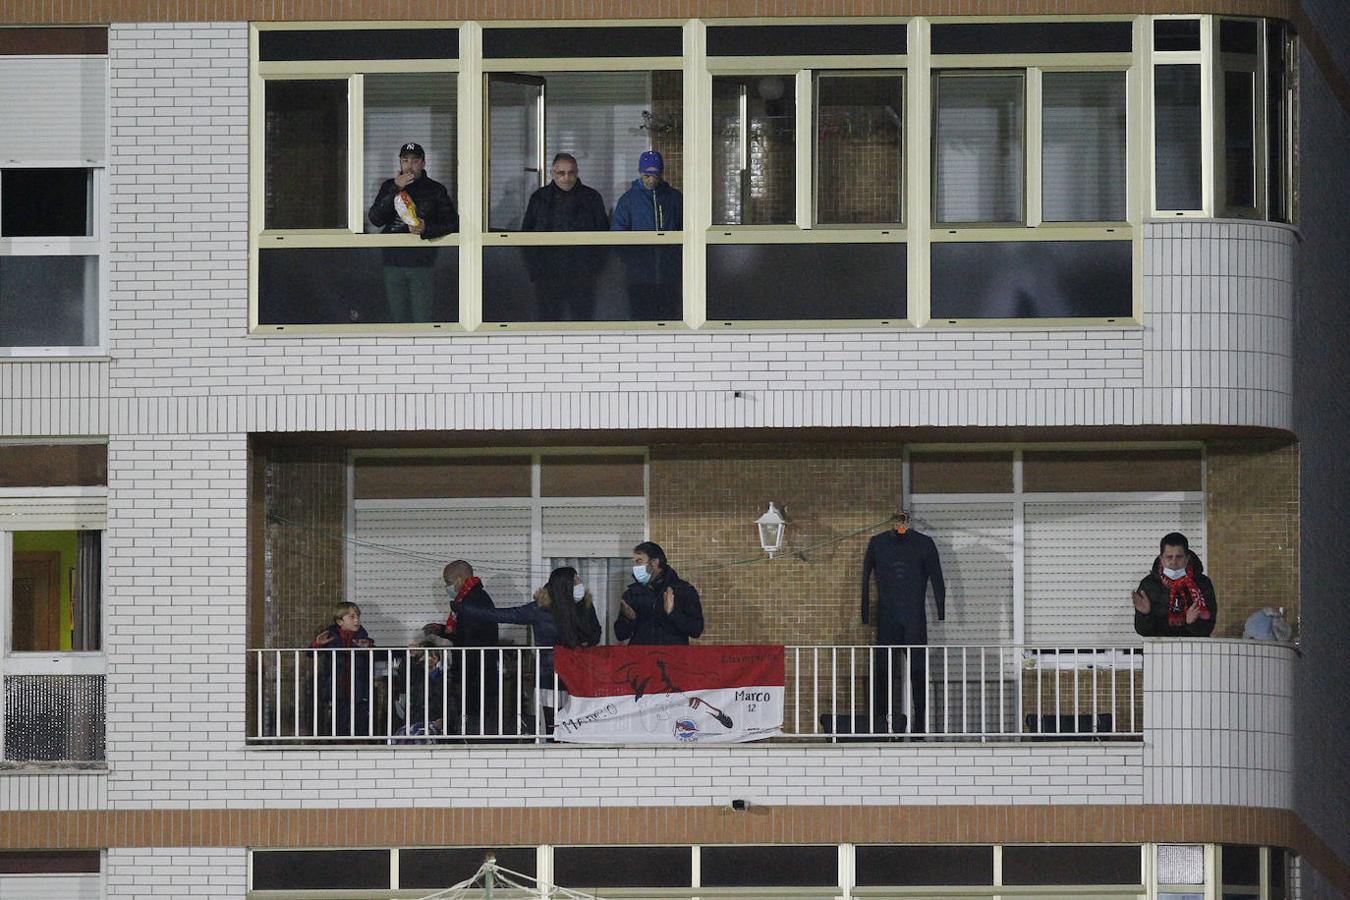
(582,531)
(401,551)
(1083,558)
(974,541)
(54,108)
(80,509)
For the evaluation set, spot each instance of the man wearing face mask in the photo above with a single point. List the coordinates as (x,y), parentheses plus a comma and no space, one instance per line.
(462,631)
(659,607)
(1176,598)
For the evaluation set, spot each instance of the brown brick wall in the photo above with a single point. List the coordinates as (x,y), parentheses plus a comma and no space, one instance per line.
(704,500)
(1252,511)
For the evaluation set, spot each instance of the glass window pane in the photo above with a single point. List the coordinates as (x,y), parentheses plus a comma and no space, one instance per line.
(1278,86)
(319,869)
(860,149)
(602,867)
(55,590)
(1083,147)
(1032,279)
(1181,864)
(1241,869)
(403,108)
(305,154)
(900,866)
(1238,36)
(805,40)
(1280,860)
(1176,112)
(754,150)
(806,281)
(1239,139)
(1176,34)
(1082,864)
(354,286)
(978,145)
(1032,37)
(49,301)
(442,867)
(582,283)
(586,41)
(46,203)
(769,866)
(54,717)
(360,43)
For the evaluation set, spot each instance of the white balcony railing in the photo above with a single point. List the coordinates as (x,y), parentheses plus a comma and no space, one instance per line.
(832,693)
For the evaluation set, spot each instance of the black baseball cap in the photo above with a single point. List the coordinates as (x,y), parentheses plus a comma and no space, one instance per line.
(412,149)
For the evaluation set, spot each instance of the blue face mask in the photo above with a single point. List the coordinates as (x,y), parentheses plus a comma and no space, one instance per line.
(641,575)
(1174,574)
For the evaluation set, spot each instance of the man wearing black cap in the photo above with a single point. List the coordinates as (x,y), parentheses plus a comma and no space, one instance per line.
(431,214)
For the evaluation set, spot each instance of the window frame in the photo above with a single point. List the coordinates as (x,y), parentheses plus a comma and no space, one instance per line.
(1201,58)
(1256,66)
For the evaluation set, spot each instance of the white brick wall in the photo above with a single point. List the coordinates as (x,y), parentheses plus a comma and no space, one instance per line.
(201,872)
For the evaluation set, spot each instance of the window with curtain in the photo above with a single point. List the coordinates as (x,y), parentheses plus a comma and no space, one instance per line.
(979,148)
(1083,171)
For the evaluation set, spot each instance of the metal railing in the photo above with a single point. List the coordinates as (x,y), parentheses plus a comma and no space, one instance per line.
(403,696)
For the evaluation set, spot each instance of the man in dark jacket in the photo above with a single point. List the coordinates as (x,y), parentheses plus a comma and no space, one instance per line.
(462,631)
(904,562)
(658,607)
(408,270)
(1176,598)
(564,277)
(653,272)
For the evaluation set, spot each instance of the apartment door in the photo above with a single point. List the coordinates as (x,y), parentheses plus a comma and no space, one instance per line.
(35,622)
(515,146)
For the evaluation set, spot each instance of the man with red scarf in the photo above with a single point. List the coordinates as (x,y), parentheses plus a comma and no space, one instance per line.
(465,587)
(1176,598)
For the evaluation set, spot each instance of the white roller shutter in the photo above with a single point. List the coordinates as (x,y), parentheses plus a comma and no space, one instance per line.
(589,531)
(54,108)
(73,508)
(597,117)
(974,541)
(1084,557)
(401,550)
(51,887)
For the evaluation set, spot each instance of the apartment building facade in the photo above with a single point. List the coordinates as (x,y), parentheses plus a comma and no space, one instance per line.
(1057,279)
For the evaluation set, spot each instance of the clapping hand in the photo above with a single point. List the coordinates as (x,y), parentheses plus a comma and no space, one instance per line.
(1140,601)
(669,598)
(626,611)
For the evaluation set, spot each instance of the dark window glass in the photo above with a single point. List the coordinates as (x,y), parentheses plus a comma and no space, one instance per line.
(320,869)
(47,862)
(54,718)
(364,43)
(1033,37)
(904,866)
(45,203)
(1032,280)
(1238,36)
(1279,874)
(860,149)
(1082,864)
(583,284)
(1176,34)
(605,867)
(805,40)
(305,155)
(49,301)
(806,281)
(522,43)
(763,866)
(1239,139)
(1177,163)
(1241,871)
(1278,85)
(754,150)
(355,286)
(441,868)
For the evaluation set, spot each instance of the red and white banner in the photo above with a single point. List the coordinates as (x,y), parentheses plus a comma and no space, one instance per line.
(675,695)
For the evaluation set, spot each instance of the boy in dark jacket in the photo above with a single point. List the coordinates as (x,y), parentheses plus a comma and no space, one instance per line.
(1176,598)
(344,673)
(659,607)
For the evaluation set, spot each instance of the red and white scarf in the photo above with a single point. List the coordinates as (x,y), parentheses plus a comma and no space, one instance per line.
(1182,594)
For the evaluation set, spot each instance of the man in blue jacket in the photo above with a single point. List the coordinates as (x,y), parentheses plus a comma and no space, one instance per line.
(653,271)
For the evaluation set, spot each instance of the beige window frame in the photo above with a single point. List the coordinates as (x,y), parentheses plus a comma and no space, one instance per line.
(1254,66)
(1201,58)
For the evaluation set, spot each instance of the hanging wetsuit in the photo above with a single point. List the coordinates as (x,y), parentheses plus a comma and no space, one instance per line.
(904,564)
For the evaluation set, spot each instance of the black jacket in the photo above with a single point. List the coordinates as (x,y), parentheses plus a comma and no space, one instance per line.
(903,564)
(544,627)
(434,207)
(553,209)
(477,631)
(653,625)
(1154,622)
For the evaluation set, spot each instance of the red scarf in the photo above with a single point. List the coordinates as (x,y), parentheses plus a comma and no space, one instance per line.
(452,621)
(1182,594)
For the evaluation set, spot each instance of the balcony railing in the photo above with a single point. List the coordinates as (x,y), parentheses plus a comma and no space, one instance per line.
(994,692)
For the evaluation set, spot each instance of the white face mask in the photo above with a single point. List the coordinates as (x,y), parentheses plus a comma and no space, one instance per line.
(1174,574)
(641,575)
(578,592)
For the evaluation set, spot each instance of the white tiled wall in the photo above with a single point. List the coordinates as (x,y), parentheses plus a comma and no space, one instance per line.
(198,872)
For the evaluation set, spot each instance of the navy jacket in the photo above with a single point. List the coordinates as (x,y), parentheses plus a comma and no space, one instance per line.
(903,564)
(653,625)
(642,210)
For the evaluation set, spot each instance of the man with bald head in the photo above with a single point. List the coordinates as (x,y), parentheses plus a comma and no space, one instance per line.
(465,587)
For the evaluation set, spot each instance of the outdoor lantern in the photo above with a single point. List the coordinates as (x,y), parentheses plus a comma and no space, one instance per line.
(771,526)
